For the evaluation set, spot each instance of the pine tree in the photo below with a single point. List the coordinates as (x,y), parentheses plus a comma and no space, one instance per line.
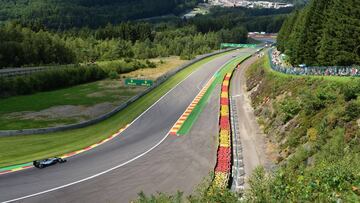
(286,30)
(343,29)
(313,31)
(297,39)
(326,32)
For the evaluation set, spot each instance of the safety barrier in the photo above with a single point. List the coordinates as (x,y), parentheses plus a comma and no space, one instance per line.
(345,71)
(224,153)
(12,72)
(238,170)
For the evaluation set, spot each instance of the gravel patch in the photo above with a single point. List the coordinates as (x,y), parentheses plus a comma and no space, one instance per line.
(66,111)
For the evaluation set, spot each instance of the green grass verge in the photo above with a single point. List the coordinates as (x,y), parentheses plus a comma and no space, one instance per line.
(21,112)
(22,149)
(11,109)
(228,67)
(75,95)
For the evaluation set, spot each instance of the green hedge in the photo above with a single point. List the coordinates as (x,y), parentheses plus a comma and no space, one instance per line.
(50,80)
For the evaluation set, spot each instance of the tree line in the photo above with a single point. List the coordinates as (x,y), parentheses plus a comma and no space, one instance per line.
(64,14)
(324,33)
(21,46)
(37,44)
(50,80)
(260,20)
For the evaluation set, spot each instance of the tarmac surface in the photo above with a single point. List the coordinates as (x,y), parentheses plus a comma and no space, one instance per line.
(142,158)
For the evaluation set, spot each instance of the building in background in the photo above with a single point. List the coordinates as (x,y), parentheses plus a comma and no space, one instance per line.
(249,4)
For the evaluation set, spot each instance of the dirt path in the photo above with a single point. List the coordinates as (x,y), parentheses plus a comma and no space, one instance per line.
(252,139)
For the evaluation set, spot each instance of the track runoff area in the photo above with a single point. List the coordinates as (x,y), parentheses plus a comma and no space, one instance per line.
(137,140)
(189,117)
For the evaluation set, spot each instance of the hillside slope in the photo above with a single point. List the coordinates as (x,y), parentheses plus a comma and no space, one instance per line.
(76,13)
(314,126)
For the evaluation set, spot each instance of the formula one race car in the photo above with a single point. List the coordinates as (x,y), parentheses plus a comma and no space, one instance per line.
(48,162)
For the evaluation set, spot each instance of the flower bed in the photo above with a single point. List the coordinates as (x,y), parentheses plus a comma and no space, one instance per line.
(223,165)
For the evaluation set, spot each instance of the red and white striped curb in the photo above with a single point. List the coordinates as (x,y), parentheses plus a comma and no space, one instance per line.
(20,168)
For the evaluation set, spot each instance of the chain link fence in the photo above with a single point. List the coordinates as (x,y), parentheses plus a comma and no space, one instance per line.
(346,71)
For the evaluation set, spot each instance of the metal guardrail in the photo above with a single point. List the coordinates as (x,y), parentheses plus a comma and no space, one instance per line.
(238,171)
(345,71)
(12,72)
(159,81)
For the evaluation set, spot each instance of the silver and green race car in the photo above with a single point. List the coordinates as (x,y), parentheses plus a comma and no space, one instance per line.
(48,162)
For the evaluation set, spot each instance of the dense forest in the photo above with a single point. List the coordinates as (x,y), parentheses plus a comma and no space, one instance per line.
(21,46)
(33,44)
(53,32)
(62,14)
(325,32)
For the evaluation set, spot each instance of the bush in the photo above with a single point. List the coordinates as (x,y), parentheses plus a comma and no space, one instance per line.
(259,186)
(113,75)
(312,103)
(128,60)
(138,65)
(186,57)
(127,68)
(352,110)
(150,64)
(289,109)
(312,134)
(351,91)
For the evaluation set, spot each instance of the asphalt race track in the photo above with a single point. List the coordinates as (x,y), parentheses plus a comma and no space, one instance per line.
(142,158)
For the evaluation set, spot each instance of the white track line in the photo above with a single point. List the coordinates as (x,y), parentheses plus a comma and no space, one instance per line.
(118,166)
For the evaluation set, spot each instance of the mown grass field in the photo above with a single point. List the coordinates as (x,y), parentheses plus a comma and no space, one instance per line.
(14,111)
(21,149)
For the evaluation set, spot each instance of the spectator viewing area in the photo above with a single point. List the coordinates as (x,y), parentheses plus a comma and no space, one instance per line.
(278,64)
